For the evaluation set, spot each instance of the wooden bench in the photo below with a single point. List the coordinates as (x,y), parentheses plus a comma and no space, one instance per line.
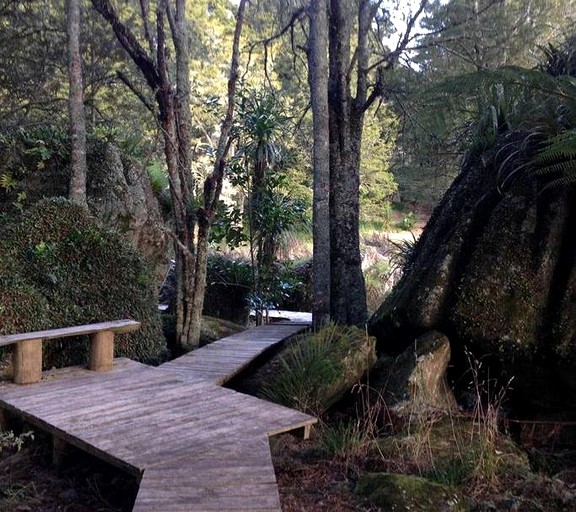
(27,354)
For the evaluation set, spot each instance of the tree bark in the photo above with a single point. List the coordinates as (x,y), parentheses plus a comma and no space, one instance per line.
(77,119)
(318,83)
(347,288)
(213,184)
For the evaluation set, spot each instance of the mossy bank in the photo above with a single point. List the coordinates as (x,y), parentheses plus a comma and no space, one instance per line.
(59,267)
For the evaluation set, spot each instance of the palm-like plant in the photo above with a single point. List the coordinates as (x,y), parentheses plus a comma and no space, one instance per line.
(540,102)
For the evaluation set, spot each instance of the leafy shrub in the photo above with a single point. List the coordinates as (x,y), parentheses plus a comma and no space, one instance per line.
(227,287)
(59,268)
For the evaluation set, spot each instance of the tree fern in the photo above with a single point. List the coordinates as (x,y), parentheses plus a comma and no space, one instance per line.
(557,160)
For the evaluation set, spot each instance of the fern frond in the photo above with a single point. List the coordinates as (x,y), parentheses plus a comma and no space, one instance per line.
(565,167)
(560,147)
(557,160)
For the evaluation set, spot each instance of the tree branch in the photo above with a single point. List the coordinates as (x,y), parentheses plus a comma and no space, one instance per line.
(147,34)
(213,184)
(129,42)
(128,83)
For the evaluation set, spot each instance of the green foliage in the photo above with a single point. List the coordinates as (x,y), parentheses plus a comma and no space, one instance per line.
(265,209)
(59,268)
(512,99)
(407,222)
(377,183)
(345,440)
(310,368)
(377,277)
(28,157)
(556,161)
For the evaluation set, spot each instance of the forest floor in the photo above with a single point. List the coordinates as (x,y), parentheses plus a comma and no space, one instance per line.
(309,479)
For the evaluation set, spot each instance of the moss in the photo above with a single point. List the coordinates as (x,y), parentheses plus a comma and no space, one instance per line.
(401,492)
(63,269)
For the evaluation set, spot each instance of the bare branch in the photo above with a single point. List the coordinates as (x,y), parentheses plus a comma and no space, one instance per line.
(129,42)
(128,83)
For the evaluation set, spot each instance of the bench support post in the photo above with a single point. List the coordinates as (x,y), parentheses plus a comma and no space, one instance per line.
(101,351)
(27,361)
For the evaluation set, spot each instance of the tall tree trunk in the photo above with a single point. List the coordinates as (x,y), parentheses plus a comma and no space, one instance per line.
(318,83)
(347,288)
(77,192)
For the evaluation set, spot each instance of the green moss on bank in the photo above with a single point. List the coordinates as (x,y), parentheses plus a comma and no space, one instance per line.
(58,267)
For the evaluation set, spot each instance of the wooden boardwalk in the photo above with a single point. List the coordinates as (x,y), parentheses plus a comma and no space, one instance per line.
(194,445)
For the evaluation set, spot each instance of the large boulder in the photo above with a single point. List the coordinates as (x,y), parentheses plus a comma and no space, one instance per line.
(314,370)
(495,270)
(36,165)
(120,195)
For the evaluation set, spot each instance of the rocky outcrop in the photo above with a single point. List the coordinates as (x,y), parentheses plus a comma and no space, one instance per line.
(495,271)
(415,381)
(118,189)
(120,195)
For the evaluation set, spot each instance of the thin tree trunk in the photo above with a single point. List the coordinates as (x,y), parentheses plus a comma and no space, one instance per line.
(318,83)
(77,192)
(347,289)
(213,185)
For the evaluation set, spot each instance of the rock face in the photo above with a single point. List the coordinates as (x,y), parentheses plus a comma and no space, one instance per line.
(120,195)
(415,381)
(118,189)
(496,271)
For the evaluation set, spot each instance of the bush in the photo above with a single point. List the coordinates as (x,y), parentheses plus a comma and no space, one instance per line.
(60,268)
(317,370)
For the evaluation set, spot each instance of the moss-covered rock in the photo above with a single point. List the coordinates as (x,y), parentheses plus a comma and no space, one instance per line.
(415,381)
(36,165)
(403,492)
(496,271)
(317,369)
(60,268)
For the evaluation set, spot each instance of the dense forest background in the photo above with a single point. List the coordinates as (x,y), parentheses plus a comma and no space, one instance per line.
(288,154)
(410,153)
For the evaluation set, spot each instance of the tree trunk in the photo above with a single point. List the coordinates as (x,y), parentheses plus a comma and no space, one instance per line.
(77,192)
(213,187)
(318,83)
(347,288)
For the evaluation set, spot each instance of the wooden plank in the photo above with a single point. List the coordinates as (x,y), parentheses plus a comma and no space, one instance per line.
(197,446)
(118,326)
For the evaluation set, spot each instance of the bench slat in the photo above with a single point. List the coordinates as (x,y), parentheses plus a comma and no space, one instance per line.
(116,326)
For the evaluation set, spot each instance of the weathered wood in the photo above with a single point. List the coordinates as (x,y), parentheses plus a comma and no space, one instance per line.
(117,326)
(196,446)
(59,451)
(222,360)
(101,351)
(27,361)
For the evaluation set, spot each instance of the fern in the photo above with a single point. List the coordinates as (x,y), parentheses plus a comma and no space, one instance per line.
(557,160)
(7,181)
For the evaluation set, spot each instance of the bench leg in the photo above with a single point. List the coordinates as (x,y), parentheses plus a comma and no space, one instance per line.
(101,351)
(27,361)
